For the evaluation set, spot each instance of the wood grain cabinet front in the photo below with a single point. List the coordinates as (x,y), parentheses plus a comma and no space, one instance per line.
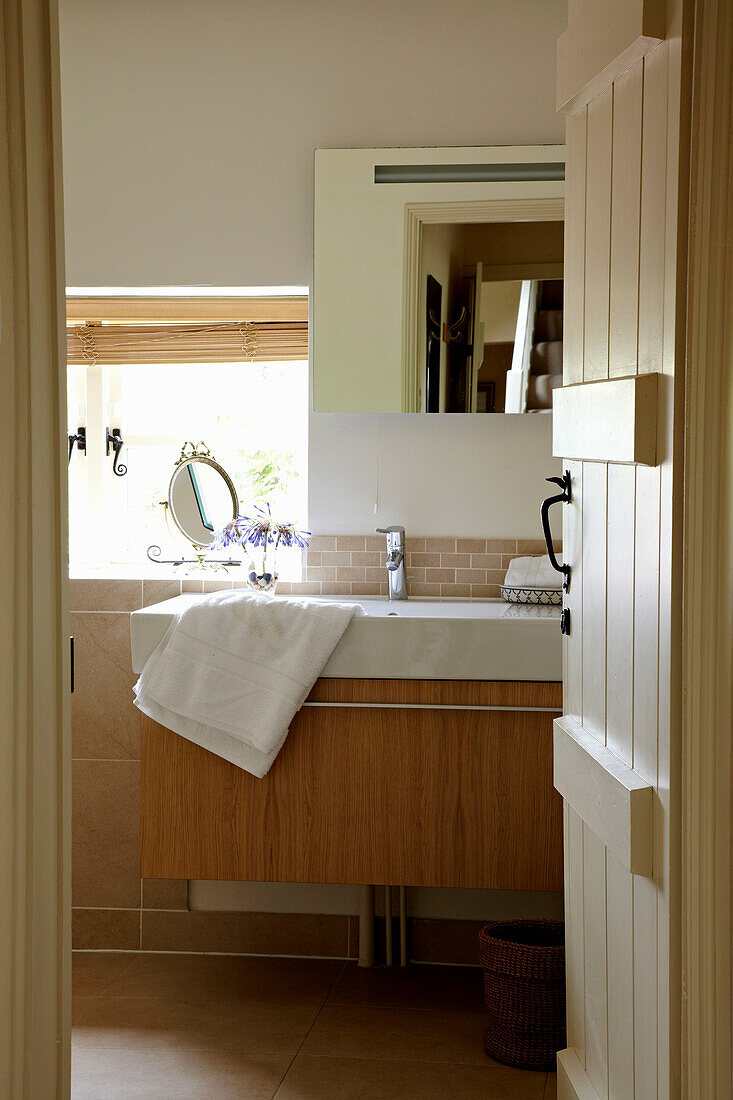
(421,783)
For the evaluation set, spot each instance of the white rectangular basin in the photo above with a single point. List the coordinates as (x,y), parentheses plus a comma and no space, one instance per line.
(413,639)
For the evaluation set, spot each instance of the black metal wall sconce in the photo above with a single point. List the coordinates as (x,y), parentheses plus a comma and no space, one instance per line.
(116,442)
(78,440)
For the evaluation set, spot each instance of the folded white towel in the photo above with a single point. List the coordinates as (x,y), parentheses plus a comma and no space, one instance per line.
(233,669)
(532,573)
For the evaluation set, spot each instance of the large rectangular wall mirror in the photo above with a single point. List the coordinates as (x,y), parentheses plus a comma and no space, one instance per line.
(438,279)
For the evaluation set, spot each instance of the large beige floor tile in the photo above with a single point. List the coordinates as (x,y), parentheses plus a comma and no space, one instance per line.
(289,980)
(346,1031)
(360,1079)
(174,1075)
(237,1025)
(94,971)
(425,987)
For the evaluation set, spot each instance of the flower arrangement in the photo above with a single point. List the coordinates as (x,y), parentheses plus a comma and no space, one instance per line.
(265,532)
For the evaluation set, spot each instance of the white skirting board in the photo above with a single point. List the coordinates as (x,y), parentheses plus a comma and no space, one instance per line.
(612,420)
(572,1080)
(612,799)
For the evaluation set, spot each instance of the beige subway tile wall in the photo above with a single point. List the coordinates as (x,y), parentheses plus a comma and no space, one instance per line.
(113,908)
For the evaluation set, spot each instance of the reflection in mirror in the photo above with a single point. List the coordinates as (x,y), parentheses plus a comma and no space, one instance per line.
(493,304)
(437,279)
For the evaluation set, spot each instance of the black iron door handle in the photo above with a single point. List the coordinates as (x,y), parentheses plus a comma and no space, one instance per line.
(560,498)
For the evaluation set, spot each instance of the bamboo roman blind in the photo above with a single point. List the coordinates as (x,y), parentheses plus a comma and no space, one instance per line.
(186,331)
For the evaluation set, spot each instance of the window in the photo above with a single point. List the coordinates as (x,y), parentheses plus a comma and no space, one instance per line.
(231,372)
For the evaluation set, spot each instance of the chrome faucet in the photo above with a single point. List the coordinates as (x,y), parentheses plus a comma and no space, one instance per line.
(396,578)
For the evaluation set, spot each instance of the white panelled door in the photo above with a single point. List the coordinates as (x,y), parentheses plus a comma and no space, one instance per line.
(619,82)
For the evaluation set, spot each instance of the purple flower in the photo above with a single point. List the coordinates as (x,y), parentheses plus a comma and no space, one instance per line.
(260,530)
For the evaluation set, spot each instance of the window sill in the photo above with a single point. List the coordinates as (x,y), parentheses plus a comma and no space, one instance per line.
(148,571)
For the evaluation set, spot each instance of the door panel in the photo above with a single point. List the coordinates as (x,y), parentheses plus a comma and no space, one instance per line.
(621,285)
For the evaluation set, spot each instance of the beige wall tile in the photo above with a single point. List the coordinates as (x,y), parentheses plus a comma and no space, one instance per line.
(217,586)
(485,591)
(501,546)
(365,557)
(422,560)
(441,546)
(305,588)
(377,542)
(351,542)
(257,933)
(157,591)
(105,929)
(471,546)
(423,589)
(531,546)
(336,588)
(413,546)
(321,573)
(188,585)
(350,573)
(322,542)
(106,834)
(336,557)
(368,588)
(470,576)
(455,590)
(165,893)
(486,561)
(104,722)
(455,561)
(313,557)
(441,576)
(105,595)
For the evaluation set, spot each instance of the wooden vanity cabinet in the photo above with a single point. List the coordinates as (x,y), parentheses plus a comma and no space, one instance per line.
(421,783)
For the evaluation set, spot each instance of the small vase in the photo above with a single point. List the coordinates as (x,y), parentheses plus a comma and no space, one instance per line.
(264,580)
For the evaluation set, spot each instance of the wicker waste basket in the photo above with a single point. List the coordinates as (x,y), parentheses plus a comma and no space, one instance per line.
(524,989)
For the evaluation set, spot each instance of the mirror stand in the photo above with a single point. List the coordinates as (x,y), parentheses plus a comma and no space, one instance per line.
(201,500)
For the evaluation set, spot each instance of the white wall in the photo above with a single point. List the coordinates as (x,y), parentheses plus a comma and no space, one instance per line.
(189,131)
(436,475)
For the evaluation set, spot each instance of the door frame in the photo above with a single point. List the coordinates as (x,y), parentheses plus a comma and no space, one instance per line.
(706,764)
(35,752)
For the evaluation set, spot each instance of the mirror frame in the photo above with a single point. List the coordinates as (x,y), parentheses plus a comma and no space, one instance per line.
(199,453)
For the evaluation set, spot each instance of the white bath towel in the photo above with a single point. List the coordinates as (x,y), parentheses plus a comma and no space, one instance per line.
(233,669)
(532,573)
